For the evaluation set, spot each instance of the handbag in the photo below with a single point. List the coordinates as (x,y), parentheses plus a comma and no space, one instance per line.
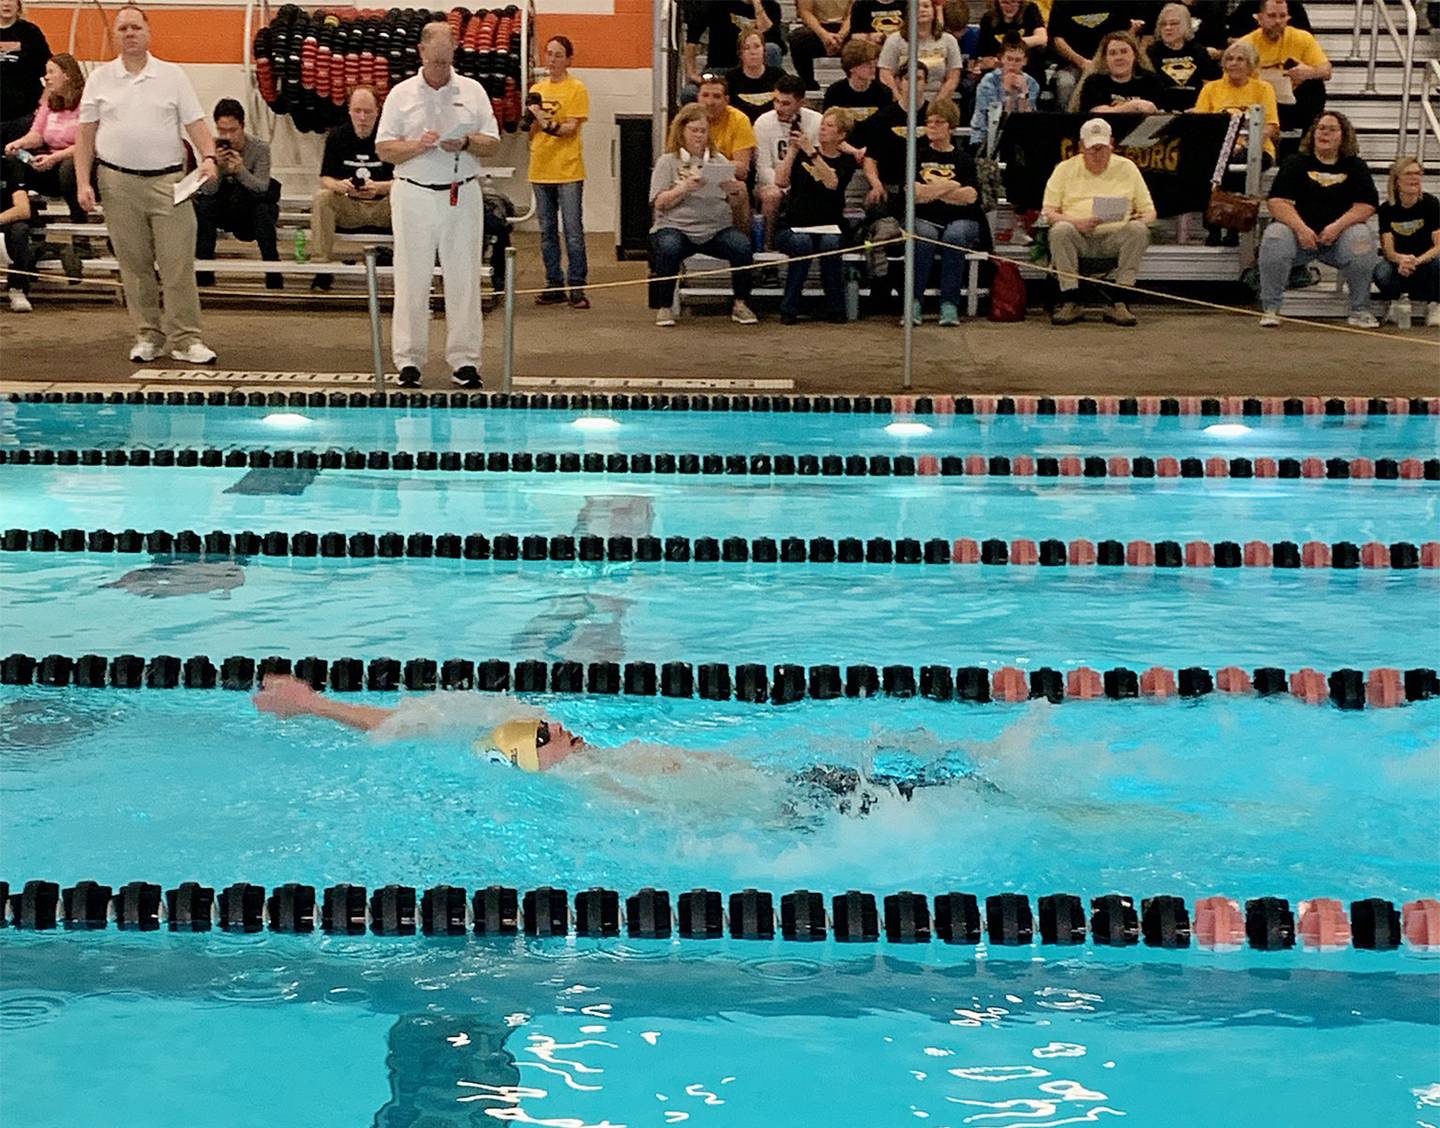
(1007,292)
(1233,210)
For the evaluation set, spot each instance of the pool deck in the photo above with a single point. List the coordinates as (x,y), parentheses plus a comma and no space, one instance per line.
(79,338)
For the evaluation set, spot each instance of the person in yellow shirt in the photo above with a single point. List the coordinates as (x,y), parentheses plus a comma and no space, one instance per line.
(730,130)
(1235,92)
(559,107)
(1096,176)
(1293,62)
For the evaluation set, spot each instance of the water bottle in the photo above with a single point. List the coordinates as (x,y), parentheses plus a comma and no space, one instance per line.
(302,252)
(1404,314)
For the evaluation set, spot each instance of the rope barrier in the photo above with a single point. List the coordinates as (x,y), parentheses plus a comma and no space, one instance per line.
(565,548)
(751,683)
(1004,920)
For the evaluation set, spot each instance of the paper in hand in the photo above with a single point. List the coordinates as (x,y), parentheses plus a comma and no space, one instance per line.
(1110,209)
(187,186)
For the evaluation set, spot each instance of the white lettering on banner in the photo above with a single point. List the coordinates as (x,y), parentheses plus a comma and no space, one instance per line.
(214,376)
(161,376)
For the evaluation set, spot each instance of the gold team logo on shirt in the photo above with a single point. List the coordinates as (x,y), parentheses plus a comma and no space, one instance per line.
(762,99)
(1091,20)
(932,172)
(1328,179)
(860,113)
(1179,71)
(887,22)
(1407,227)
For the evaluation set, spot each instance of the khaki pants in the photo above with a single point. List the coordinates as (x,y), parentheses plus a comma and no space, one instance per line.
(1123,241)
(331,210)
(150,233)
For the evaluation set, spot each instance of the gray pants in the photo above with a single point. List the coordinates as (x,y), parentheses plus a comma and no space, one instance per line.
(1123,241)
(1353,255)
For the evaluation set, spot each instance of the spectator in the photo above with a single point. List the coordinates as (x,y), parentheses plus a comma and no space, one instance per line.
(721,23)
(947,209)
(938,50)
(50,140)
(775,135)
(355,183)
(24,52)
(1246,15)
(1409,243)
(1207,21)
(1004,18)
(752,83)
(131,117)
(1181,65)
(1292,61)
(557,174)
(876,20)
(1075,29)
(731,133)
(860,91)
(884,168)
(15,223)
(816,174)
(1007,87)
(1320,203)
(1235,93)
(244,200)
(434,129)
(823,30)
(1096,173)
(1120,80)
(699,205)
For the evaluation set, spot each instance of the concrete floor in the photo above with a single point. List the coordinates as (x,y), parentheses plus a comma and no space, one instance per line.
(82,337)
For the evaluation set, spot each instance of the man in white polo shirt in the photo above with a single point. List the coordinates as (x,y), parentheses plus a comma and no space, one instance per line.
(131,117)
(434,129)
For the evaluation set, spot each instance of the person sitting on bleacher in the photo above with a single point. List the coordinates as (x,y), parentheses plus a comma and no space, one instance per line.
(1409,266)
(49,144)
(823,31)
(816,173)
(1094,174)
(752,83)
(1293,62)
(874,21)
(947,210)
(1321,202)
(884,169)
(775,132)
(1076,28)
(860,91)
(699,208)
(355,183)
(1235,93)
(1182,66)
(720,23)
(1020,18)
(1008,86)
(243,199)
(1120,80)
(15,223)
(938,50)
(731,133)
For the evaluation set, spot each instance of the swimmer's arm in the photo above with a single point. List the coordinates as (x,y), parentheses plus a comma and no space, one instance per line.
(285,696)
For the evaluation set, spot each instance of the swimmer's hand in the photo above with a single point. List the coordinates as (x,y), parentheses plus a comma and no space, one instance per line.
(285,696)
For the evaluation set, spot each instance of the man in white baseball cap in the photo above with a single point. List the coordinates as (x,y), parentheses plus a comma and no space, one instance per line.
(1099,207)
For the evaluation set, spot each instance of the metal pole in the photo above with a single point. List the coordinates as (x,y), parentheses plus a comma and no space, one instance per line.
(509,361)
(372,293)
(659,76)
(907,301)
(1359,31)
(1254,151)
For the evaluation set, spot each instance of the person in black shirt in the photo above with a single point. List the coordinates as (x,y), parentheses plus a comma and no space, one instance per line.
(860,91)
(1320,203)
(1021,17)
(1181,65)
(1076,28)
(816,176)
(719,23)
(24,52)
(947,210)
(1120,80)
(1207,21)
(876,20)
(752,83)
(1409,241)
(355,183)
(15,223)
(883,140)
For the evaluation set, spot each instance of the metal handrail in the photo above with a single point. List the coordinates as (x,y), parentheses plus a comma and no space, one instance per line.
(1404,44)
(1427,108)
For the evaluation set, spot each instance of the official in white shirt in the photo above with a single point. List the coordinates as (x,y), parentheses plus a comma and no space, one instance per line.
(434,129)
(131,118)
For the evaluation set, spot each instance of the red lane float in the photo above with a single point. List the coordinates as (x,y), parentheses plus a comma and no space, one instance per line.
(1118,466)
(1157,682)
(1420,921)
(1385,688)
(1218,923)
(1258,554)
(1083,552)
(1309,686)
(1024,552)
(965,551)
(1199,554)
(1232,679)
(1009,684)
(1324,924)
(1084,684)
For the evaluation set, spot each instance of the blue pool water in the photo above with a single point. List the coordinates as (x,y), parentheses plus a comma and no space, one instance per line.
(1240,796)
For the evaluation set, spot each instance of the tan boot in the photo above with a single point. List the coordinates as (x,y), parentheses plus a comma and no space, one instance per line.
(1067,313)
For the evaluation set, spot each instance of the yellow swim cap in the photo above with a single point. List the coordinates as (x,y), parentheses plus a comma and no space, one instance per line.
(516,741)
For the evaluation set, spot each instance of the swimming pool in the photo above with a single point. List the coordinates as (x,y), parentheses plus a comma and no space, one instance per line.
(1227,793)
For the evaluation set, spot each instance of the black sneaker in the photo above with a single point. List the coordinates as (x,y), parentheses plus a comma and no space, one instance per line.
(554,296)
(321,283)
(466,377)
(274,282)
(409,376)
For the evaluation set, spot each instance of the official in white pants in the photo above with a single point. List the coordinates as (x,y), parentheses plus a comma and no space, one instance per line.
(434,128)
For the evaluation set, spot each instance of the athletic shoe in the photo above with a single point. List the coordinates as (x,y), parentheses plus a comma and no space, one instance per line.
(145,350)
(916,314)
(742,314)
(196,352)
(550,297)
(321,283)
(19,303)
(409,376)
(466,376)
(949,315)
(1067,313)
(578,300)
(1363,319)
(1270,319)
(1432,315)
(664,318)
(1119,314)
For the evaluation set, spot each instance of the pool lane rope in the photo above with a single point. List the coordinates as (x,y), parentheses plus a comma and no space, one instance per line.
(1002,920)
(1410,469)
(565,548)
(750,683)
(904,405)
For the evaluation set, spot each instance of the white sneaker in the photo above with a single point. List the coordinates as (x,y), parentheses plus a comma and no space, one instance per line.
(1392,312)
(1363,319)
(1270,319)
(145,350)
(664,318)
(1432,316)
(742,314)
(19,303)
(196,353)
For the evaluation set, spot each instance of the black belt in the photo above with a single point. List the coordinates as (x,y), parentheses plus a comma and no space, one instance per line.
(438,187)
(166,171)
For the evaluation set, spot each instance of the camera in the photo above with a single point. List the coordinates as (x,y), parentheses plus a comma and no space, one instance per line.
(222,146)
(361,178)
(527,119)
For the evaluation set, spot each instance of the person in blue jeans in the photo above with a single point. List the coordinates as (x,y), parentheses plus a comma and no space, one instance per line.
(947,211)
(559,108)
(814,219)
